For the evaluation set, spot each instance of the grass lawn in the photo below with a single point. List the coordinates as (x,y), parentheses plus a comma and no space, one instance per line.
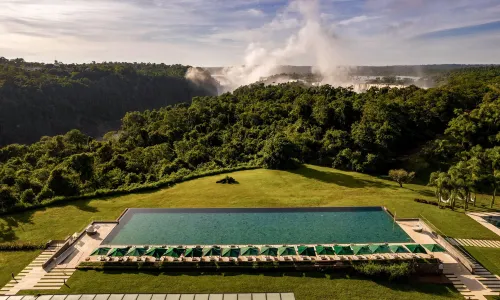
(312,286)
(14,261)
(308,186)
(488,257)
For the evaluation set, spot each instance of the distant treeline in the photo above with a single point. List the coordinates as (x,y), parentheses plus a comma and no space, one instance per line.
(380,71)
(277,126)
(48,99)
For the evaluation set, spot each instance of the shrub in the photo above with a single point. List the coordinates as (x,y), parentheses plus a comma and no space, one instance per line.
(426,201)
(393,271)
(17,246)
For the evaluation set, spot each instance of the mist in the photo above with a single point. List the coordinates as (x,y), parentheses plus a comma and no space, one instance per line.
(313,42)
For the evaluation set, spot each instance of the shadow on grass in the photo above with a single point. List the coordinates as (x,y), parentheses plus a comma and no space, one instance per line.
(339,178)
(12,222)
(410,286)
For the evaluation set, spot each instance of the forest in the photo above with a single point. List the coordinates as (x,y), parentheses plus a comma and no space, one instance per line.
(451,131)
(49,99)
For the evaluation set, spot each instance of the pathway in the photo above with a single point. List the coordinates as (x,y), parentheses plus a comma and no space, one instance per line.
(34,276)
(473,286)
(246,296)
(477,243)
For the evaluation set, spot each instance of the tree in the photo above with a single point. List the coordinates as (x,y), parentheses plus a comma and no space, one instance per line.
(493,171)
(440,180)
(401,176)
(279,153)
(7,198)
(28,196)
(461,182)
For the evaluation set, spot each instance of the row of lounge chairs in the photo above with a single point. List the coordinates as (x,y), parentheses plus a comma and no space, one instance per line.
(263,258)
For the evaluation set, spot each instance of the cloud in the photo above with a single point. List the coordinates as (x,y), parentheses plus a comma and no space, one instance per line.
(218,32)
(356,19)
(255,12)
(462,31)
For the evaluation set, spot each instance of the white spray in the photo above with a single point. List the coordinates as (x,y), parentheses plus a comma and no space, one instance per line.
(312,42)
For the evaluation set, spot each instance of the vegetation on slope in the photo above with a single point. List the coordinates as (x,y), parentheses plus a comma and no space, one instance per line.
(49,99)
(273,126)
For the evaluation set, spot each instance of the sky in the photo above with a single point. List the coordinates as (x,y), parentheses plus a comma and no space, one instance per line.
(224,32)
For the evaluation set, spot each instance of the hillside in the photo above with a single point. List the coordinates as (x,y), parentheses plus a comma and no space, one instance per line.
(49,99)
(452,129)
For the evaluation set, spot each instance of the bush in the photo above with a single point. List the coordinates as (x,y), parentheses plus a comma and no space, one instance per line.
(17,246)
(426,201)
(394,271)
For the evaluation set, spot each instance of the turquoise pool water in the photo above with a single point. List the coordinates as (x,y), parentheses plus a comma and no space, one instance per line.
(256,226)
(493,220)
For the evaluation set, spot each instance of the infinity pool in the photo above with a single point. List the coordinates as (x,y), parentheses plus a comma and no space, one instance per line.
(256,226)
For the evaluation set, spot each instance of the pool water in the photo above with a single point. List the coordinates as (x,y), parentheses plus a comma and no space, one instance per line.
(256,226)
(493,220)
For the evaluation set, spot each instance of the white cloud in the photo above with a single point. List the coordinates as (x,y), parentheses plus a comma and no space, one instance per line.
(218,32)
(357,19)
(255,12)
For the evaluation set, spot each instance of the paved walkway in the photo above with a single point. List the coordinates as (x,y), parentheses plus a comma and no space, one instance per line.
(34,276)
(473,286)
(253,296)
(478,243)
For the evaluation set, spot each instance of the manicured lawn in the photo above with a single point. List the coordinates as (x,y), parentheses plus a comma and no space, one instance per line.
(312,286)
(488,257)
(14,261)
(308,186)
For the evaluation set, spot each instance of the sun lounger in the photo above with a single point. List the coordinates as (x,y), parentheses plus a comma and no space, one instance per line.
(281,258)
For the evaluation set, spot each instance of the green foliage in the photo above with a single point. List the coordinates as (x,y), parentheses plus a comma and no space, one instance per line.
(51,99)
(393,271)
(276,126)
(28,196)
(401,176)
(18,246)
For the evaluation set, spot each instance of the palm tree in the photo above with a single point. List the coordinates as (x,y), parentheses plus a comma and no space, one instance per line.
(440,180)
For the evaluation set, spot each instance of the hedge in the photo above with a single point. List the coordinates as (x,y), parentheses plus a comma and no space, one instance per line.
(18,246)
(167,183)
(394,270)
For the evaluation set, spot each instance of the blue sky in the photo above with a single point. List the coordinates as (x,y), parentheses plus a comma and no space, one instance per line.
(219,32)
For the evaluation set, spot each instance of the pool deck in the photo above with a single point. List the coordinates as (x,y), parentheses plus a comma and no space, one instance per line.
(85,245)
(479,217)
